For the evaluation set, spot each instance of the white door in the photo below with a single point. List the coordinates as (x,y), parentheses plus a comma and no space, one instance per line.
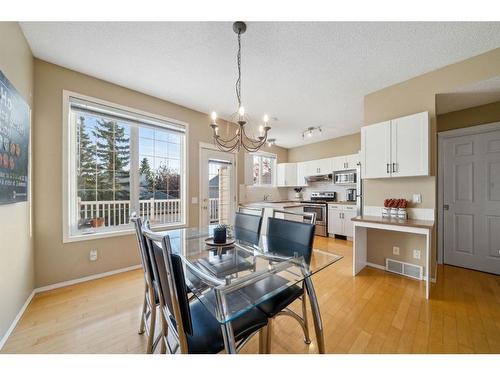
(471,188)
(410,145)
(217,187)
(376,146)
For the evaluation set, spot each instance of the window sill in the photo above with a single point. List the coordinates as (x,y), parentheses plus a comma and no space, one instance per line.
(114,233)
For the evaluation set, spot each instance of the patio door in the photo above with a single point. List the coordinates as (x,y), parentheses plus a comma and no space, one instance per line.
(217,187)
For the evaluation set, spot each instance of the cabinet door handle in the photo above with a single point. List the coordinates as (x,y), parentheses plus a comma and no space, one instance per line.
(393,167)
(387,168)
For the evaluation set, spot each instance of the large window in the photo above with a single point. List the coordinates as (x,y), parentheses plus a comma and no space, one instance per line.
(122,162)
(264,167)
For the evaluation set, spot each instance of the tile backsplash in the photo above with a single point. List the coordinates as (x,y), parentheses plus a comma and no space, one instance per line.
(322,186)
(250,194)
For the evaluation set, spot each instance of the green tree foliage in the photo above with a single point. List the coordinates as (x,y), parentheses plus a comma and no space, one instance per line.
(113,156)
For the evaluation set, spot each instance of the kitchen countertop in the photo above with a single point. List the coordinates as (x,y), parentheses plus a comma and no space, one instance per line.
(427,224)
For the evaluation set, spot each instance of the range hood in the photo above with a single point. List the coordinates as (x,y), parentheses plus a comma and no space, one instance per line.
(319,177)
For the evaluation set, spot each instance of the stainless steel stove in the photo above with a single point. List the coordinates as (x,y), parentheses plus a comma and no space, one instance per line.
(319,205)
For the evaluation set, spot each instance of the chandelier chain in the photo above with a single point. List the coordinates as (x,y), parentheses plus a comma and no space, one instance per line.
(238,81)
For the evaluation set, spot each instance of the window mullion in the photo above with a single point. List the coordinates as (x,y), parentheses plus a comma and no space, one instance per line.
(134,170)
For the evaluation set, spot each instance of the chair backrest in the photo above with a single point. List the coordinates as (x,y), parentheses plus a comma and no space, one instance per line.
(247,227)
(305,217)
(289,237)
(169,272)
(250,210)
(143,248)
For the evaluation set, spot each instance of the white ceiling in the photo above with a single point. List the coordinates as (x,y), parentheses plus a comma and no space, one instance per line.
(476,94)
(305,74)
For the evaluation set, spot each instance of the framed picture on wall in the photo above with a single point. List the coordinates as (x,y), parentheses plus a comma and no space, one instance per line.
(14,143)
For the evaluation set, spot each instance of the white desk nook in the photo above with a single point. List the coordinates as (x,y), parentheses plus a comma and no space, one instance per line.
(363,223)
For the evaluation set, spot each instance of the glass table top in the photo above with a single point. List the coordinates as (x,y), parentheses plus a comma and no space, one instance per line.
(231,280)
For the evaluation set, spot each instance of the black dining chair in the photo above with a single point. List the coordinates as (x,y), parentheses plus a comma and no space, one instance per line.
(287,238)
(150,303)
(194,328)
(247,227)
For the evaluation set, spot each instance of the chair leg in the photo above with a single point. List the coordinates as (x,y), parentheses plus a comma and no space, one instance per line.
(269,333)
(307,338)
(143,313)
(164,333)
(151,337)
(263,333)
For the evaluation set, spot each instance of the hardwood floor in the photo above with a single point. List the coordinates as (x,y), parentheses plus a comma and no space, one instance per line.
(375,312)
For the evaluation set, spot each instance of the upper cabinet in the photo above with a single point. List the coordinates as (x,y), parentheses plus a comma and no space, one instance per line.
(346,162)
(286,174)
(396,148)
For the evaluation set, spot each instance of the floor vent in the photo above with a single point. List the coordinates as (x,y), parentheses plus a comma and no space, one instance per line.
(402,268)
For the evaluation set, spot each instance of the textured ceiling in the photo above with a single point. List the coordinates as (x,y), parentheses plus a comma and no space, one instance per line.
(304,74)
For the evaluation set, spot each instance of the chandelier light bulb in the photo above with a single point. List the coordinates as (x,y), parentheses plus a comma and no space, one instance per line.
(213,116)
(266,119)
(261,130)
(241,111)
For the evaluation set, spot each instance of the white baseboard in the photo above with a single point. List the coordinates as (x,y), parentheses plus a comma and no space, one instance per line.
(56,286)
(16,320)
(86,278)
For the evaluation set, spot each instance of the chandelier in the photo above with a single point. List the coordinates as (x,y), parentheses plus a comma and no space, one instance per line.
(240,139)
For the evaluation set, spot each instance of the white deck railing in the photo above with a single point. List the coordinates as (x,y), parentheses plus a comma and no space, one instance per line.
(118,212)
(213,210)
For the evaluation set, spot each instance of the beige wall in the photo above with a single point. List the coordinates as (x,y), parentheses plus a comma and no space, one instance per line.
(349,144)
(55,261)
(16,245)
(417,95)
(483,114)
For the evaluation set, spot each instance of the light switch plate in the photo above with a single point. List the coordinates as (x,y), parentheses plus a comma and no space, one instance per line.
(395,250)
(416,254)
(417,198)
(93,255)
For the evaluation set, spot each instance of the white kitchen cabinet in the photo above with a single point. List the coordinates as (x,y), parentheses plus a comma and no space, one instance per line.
(396,148)
(410,145)
(349,213)
(302,173)
(335,225)
(346,162)
(339,219)
(376,149)
(286,174)
(320,166)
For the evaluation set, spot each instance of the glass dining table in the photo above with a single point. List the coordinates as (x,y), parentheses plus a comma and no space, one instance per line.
(229,280)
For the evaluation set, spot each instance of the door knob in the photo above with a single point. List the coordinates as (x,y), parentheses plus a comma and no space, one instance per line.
(446,207)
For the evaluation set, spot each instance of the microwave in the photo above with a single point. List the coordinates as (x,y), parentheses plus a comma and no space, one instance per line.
(348,177)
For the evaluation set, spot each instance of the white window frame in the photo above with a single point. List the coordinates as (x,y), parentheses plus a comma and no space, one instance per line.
(69,171)
(273,172)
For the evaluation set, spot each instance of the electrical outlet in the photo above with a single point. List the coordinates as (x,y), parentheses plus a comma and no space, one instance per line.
(417,198)
(416,254)
(395,250)
(93,255)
